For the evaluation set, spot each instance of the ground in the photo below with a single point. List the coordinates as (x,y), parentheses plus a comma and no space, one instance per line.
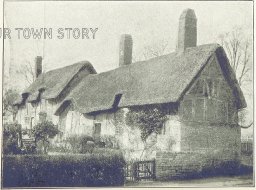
(235,181)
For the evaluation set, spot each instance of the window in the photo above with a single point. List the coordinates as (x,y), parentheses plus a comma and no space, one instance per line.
(199,109)
(97,131)
(42,116)
(163,130)
(27,120)
(216,87)
(213,87)
(210,110)
(210,87)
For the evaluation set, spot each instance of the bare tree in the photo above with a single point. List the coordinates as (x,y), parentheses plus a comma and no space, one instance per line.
(151,51)
(245,61)
(27,70)
(237,46)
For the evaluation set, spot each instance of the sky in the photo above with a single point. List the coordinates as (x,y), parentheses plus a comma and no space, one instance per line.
(148,22)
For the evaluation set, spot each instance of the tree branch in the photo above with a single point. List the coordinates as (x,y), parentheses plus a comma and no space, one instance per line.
(246,127)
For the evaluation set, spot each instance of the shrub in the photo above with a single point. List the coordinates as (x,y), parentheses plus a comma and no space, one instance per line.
(59,147)
(110,141)
(43,132)
(149,120)
(29,148)
(63,170)
(11,137)
(78,143)
(107,151)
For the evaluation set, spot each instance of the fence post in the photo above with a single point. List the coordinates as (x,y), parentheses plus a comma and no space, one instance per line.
(154,169)
(134,170)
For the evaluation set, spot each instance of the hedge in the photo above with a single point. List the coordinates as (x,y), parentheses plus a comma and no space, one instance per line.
(63,170)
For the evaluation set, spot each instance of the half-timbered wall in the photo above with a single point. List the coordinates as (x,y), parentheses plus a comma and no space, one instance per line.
(209,115)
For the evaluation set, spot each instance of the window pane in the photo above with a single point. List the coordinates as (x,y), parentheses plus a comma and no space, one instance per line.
(216,88)
(163,131)
(210,83)
(97,128)
(97,131)
(199,109)
(27,120)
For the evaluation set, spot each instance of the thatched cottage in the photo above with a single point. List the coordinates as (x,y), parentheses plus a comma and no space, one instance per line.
(41,98)
(195,85)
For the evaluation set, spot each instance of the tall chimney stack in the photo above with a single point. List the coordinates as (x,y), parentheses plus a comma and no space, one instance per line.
(38,66)
(125,50)
(187,36)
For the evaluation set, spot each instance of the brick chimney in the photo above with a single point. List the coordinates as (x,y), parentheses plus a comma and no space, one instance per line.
(187,35)
(38,66)
(125,50)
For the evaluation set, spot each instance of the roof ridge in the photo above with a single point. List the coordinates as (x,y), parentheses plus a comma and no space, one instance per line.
(77,63)
(49,80)
(189,48)
(216,45)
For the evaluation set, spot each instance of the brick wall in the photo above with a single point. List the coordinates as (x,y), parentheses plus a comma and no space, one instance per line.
(223,140)
(171,165)
(176,164)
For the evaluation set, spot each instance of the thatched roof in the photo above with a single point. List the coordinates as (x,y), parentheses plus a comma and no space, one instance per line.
(164,79)
(53,82)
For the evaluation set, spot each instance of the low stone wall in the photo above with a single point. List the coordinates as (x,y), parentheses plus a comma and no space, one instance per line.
(171,165)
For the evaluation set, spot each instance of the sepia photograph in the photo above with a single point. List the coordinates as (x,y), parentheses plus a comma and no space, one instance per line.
(127,94)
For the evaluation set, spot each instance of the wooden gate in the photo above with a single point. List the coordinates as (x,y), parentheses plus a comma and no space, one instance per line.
(247,147)
(140,170)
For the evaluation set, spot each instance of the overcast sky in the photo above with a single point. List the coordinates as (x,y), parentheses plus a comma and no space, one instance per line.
(147,22)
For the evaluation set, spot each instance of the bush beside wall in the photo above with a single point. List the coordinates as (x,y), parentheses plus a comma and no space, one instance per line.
(63,170)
